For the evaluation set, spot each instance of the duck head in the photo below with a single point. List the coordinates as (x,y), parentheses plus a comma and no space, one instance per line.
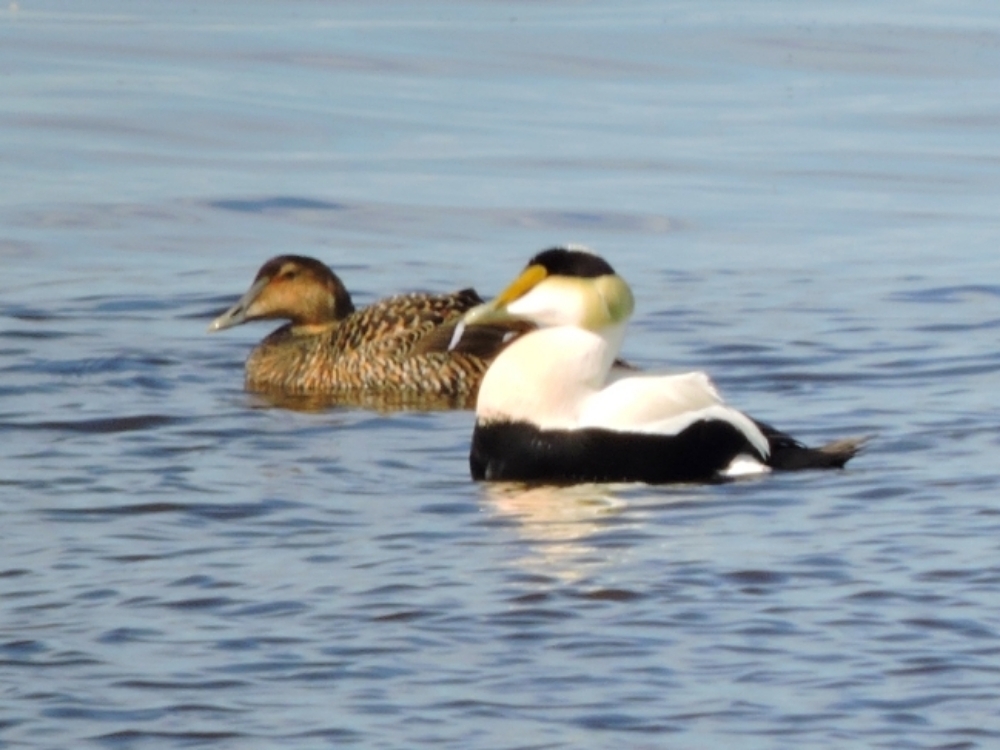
(290,287)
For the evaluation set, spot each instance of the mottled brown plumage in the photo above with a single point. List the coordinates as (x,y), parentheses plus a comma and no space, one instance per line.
(392,353)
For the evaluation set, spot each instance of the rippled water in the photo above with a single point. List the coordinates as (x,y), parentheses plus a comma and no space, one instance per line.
(805,202)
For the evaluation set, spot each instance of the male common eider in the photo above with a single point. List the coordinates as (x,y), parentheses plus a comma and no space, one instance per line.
(554,408)
(395,350)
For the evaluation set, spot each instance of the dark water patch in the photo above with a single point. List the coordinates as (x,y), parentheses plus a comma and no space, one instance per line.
(202,604)
(26,594)
(234,512)
(335,735)
(119,636)
(271,609)
(405,615)
(159,450)
(622,537)
(326,559)
(356,652)
(755,578)
(948,575)
(689,617)
(31,314)
(887,492)
(56,663)
(947,294)
(450,509)
(609,595)
(823,561)
(876,595)
(23,648)
(901,704)
(117,510)
(128,738)
(933,665)
(202,708)
(966,628)
(334,672)
(941,372)
(535,597)
(391,590)
(394,539)
(801,721)
(730,356)
(754,650)
(120,304)
(254,644)
(533,616)
(977,732)
(604,647)
(958,327)
(620,722)
(275,204)
(103,714)
(195,685)
(34,335)
(97,594)
(133,362)
(528,579)
(202,511)
(101,425)
(769,627)
(202,581)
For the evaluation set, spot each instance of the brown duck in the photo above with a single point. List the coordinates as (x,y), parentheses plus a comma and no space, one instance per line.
(391,353)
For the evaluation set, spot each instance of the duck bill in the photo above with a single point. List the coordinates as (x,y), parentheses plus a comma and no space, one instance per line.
(240,312)
(483,314)
(496,310)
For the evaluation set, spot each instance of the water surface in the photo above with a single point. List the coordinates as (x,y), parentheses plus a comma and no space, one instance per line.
(805,203)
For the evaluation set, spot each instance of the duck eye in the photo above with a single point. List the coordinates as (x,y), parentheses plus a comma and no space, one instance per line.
(290,274)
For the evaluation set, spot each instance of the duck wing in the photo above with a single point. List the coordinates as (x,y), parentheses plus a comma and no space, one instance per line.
(664,405)
(392,326)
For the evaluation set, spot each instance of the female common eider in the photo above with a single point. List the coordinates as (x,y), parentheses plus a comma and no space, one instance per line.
(554,408)
(395,350)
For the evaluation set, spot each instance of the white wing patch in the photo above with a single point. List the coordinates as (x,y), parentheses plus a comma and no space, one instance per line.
(744,466)
(663,405)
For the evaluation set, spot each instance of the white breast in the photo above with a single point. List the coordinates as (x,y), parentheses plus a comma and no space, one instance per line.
(546,376)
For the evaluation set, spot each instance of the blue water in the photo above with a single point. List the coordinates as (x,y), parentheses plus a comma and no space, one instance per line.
(805,201)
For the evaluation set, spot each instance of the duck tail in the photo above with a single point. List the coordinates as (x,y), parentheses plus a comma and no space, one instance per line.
(788,454)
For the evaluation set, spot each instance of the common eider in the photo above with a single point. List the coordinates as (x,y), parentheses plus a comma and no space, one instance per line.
(393,352)
(554,408)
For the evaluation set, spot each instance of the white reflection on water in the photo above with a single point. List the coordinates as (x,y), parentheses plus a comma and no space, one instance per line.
(557,522)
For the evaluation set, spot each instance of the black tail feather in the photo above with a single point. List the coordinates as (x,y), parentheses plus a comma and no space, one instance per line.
(788,454)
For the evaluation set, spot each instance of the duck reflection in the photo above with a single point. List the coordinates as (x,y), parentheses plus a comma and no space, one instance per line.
(557,522)
(385,403)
